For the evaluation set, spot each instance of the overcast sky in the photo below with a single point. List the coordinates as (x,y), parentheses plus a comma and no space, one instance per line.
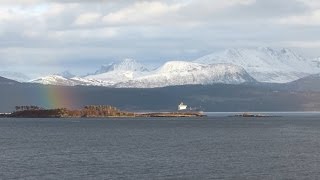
(48,36)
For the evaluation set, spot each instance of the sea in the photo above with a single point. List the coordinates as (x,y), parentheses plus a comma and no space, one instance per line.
(220,146)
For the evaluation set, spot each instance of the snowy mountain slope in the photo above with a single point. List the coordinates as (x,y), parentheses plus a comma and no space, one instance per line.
(265,64)
(114,77)
(316,62)
(170,74)
(232,66)
(15,76)
(64,81)
(66,74)
(114,73)
(110,75)
(125,65)
(57,80)
(184,73)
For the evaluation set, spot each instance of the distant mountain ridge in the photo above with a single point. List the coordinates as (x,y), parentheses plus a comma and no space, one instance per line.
(131,74)
(266,64)
(232,66)
(175,73)
(125,65)
(7,81)
(309,83)
(217,97)
(126,70)
(66,74)
(56,80)
(16,76)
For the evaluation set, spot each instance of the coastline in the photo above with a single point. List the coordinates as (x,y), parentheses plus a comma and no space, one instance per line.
(91,112)
(159,115)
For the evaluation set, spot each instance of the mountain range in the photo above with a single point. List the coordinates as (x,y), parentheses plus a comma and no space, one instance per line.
(243,82)
(266,64)
(16,76)
(231,66)
(299,95)
(217,97)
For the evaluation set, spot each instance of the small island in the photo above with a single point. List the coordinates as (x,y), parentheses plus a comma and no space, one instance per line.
(92,111)
(251,115)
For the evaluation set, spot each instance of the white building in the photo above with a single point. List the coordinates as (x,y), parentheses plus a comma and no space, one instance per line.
(182,106)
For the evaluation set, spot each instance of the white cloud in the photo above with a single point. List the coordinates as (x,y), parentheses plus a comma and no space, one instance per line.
(311,19)
(87,18)
(187,12)
(148,29)
(5,16)
(218,4)
(19,2)
(313,4)
(141,12)
(302,44)
(84,35)
(55,9)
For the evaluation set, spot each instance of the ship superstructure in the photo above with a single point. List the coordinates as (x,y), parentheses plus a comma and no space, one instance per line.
(182,106)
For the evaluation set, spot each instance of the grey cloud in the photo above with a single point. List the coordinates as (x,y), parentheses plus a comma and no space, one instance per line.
(51,39)
(262,10)
(270,8)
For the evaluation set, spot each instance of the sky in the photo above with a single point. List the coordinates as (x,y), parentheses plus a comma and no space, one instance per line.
(39,37)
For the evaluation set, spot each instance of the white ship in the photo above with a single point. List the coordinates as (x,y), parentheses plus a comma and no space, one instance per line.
(182,107)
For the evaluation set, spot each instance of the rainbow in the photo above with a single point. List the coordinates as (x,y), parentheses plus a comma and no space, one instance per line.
(57,97)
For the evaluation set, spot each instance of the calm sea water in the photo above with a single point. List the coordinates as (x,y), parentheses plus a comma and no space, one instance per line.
(206,148)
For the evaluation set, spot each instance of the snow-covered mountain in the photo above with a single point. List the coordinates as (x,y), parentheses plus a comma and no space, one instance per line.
(66,74)
(130,73)
(232,66)
(20,77)
(56,80)
(185,73)
(114,73)
(316,62)
(107,75)
(63,81)
(125,65)
(266,64)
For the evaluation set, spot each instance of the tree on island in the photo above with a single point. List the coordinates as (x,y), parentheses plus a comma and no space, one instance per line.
(27,108)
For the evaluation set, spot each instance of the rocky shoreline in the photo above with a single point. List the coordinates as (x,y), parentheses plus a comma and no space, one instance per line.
(250,115)
(89,112)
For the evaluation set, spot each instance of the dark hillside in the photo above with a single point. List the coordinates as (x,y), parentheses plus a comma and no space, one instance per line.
(7,81)
(219,97)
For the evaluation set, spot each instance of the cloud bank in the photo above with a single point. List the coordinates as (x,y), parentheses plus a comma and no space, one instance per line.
(44,36)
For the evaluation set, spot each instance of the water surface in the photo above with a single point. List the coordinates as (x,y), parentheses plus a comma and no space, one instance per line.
(186,148)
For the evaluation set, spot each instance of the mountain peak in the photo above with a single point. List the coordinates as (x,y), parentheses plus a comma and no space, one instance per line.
(233,51)
(179,66)
(130,65)
(235,65)
(264,63)
(125,65)
(66,74)
(175,73)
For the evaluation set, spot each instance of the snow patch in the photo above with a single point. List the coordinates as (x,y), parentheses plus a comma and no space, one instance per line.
(265,64)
